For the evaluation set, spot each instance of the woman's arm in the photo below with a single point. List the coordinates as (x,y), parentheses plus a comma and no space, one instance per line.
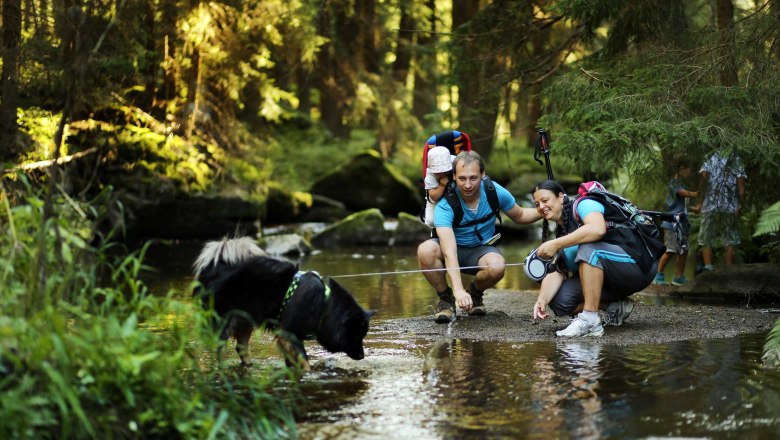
(593,229)
(550,285)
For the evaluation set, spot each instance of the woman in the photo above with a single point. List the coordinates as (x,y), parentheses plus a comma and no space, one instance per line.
(597,268)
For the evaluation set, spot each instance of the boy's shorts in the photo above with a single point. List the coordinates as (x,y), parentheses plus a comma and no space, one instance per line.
(469,256)
(671,243)
(719,229)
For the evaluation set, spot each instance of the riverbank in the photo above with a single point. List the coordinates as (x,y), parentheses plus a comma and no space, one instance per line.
(655,319)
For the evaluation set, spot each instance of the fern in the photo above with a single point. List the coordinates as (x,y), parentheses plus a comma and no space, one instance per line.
(769,222)
(771,356)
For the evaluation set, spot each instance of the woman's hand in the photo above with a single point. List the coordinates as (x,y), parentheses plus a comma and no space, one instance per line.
(540,309)
(547,249)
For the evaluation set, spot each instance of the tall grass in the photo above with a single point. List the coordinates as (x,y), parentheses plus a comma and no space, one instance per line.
(87,352)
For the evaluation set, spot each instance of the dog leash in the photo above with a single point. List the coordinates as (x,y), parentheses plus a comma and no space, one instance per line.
(401,272)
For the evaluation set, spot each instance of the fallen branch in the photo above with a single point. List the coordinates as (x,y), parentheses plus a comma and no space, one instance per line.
(47,163)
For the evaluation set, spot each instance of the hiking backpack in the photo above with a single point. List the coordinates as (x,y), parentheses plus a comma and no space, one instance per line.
(455,141)
(629,216)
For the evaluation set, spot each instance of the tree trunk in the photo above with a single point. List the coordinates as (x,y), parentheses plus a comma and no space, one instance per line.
(479,94)
(335,76)
(365,10)
(403,53)
(12,33)
(728,68)
(193,94)
(424,95)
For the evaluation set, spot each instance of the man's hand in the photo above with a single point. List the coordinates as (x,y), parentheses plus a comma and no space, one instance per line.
(462,298)
(540,309)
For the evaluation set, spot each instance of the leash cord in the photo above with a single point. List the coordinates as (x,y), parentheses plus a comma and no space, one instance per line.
(400,272)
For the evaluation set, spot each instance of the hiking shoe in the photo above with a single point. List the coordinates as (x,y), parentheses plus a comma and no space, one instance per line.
(659,279)
(679,281)
(618,311)
(477,306)
(581,327)
(445,309)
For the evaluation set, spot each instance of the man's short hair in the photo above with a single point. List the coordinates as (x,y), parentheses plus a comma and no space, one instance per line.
(467,158)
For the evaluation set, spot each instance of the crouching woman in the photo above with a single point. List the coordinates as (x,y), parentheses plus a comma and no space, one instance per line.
(598,268)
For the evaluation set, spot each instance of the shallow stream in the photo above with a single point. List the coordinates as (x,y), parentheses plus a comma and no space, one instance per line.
(410,386)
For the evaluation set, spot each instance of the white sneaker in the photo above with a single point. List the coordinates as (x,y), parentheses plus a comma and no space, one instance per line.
(581,327)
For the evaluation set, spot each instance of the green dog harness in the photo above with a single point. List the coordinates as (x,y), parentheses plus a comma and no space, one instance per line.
(296,281)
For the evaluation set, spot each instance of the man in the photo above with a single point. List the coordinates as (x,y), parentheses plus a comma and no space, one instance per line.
(468,243)
(723,181)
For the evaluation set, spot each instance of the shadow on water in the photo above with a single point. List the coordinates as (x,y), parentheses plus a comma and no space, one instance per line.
(410,387)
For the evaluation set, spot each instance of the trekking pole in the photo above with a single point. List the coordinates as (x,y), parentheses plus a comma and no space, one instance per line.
(543,147)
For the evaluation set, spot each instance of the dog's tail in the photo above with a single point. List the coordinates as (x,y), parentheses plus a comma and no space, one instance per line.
(229,251)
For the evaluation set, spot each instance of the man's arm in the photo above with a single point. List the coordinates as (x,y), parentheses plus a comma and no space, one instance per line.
(450,250)
(523,216)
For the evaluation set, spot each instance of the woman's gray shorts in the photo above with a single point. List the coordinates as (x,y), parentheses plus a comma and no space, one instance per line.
(469,256)
(622,277)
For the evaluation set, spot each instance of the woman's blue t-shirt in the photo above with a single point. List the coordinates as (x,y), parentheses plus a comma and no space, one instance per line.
(584,208)
(465,237)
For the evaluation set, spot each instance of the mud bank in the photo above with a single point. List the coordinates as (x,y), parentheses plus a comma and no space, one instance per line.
(653,320)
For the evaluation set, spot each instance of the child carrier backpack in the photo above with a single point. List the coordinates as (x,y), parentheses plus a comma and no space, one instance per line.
(621,213)
(455,141)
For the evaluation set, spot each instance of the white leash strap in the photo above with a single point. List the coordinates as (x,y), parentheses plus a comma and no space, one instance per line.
(415,271)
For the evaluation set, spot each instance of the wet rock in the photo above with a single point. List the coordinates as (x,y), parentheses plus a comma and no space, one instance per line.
(325,209)
(364,227)
(410,230)
(370,182)
(285,206)
(195,216)
(285,244)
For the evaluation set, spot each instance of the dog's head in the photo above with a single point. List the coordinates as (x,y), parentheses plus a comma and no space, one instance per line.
(345,324)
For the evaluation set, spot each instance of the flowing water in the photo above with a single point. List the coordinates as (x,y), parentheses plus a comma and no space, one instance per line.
(412,387)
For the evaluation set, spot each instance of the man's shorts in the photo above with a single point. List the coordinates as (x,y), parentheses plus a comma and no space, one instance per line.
(671,243)
(622,277)
(719,229)
(469,256)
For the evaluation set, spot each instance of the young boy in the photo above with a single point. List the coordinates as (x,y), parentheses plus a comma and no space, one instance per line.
(675,202)
(437,175)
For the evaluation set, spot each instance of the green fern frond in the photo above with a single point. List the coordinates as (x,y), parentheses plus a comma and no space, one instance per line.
(769,222)
(771,356)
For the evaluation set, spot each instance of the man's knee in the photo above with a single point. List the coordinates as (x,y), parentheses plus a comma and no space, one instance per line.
(494,266)
(428,251)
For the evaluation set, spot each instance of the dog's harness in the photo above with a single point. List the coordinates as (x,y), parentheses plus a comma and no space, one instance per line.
(296,281)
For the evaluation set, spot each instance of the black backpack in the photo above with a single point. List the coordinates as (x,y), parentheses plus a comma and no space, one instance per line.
(457,209)
(628,216)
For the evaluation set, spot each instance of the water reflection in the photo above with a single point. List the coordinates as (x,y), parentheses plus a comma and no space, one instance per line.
(460,389)
(411,387)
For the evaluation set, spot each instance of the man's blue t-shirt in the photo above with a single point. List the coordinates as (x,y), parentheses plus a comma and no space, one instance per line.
(466,237)
(584,208)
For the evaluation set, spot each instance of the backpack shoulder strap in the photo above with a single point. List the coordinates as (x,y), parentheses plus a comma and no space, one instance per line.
(492,197)
(452,198)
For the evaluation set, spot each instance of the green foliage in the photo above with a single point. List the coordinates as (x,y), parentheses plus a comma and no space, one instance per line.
(86,351)
(769,223)
(771,356)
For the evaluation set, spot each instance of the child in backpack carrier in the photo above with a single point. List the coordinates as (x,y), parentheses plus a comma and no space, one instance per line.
(437,176)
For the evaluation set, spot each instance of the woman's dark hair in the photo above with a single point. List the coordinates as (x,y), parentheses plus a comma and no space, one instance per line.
(555,188)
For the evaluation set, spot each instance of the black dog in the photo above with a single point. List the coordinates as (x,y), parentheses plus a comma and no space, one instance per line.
(246,288)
